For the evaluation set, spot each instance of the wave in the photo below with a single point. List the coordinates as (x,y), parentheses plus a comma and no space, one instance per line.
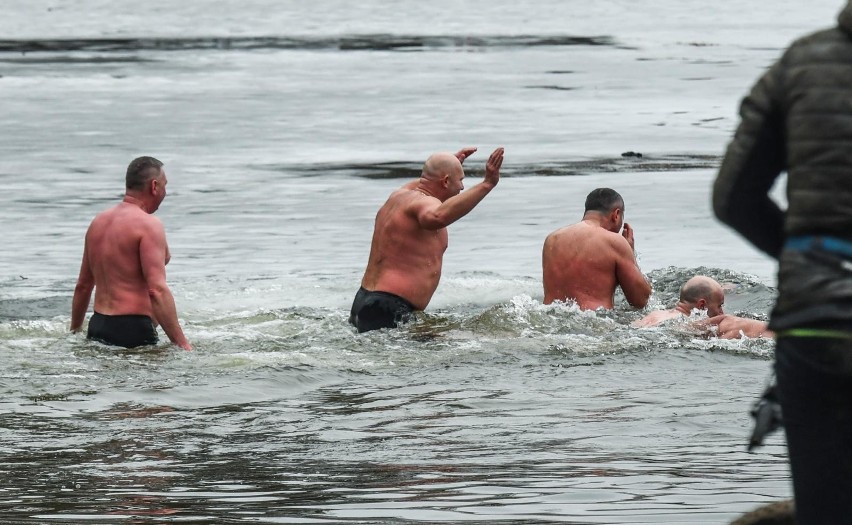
(375,42)
(461,331)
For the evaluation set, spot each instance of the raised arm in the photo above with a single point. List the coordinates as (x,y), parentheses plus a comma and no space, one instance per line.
(82,292)
(633,283)
(435,216)
(152,253)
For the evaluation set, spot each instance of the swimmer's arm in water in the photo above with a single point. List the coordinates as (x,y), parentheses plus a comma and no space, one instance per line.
(82,293)
(732,327)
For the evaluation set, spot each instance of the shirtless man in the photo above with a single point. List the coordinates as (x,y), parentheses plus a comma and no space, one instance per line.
(584,262)
(698,293)
(410,237)
(704,293)
(124,261)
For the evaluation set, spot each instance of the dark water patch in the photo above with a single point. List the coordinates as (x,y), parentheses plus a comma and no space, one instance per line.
(375,42)
(560,72)
(65,59)
(553,87)
(411,170)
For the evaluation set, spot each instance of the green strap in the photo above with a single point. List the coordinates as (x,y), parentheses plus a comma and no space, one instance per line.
(814,332)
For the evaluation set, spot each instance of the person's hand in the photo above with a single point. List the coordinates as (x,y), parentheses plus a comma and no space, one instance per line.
(464,153)
(492,167)
(183,342)
(627,233)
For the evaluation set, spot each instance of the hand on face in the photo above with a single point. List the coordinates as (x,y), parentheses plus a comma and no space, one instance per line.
(627,233)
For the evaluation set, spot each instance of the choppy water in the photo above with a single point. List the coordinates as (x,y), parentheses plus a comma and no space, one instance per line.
(284,126)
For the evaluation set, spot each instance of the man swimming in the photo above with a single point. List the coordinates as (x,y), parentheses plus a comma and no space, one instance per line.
(585,262)
(410,237)
(124,261)
(703,293)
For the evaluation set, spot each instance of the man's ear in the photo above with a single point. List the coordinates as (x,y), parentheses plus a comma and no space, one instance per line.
(615,214)
(445,181)
(701,304)
(153,186)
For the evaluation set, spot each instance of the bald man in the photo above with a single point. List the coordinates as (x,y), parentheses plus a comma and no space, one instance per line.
(410,237)
(703,293)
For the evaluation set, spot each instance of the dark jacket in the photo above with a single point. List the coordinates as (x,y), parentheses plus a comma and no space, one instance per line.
(798,119)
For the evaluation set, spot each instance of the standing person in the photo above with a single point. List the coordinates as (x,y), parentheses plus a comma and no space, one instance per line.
(410,237)
(124,261)
(584,262)
(798,119)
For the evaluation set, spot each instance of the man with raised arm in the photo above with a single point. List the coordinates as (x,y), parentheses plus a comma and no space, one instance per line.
(410,237)
(124,261)
(584,262)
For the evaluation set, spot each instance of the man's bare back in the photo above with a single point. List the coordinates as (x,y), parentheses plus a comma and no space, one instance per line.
(115,243)
(405,258)
(124,262)
(585,262)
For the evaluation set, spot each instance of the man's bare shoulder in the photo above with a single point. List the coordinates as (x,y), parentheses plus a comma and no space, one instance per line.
(656,318)
(572,230)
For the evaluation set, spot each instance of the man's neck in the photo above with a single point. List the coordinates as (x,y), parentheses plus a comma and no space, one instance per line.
(594,219)
(129,199)
(684,308)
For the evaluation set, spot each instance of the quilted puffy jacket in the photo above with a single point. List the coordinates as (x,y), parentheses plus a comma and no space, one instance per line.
(798,119)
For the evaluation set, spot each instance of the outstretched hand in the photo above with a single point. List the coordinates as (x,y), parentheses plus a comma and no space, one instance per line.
(492,167)
(464,153)
(627,233)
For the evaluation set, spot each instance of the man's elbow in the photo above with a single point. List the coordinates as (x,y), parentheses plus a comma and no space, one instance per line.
(434,221)
(640,298)
(639,302)
(84,288)
(157,292)
(721,204)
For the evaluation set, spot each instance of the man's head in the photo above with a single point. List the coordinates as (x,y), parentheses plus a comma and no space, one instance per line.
(146,180)
(609,205)
(444,175)
(703,293)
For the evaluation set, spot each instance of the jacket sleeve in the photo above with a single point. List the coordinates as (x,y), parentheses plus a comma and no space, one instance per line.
(754,159)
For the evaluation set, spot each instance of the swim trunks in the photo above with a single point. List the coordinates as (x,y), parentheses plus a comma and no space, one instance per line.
(122,330)
(374,310)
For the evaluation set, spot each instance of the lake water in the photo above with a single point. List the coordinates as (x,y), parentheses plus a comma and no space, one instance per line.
(283,127)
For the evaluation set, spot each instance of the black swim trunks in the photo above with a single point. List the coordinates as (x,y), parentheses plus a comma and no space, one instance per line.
(122,330)
(374,310)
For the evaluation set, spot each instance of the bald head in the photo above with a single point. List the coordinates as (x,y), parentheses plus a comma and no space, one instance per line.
(440,164)
(703,292)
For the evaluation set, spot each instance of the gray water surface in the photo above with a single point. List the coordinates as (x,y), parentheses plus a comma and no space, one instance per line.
(284,126)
